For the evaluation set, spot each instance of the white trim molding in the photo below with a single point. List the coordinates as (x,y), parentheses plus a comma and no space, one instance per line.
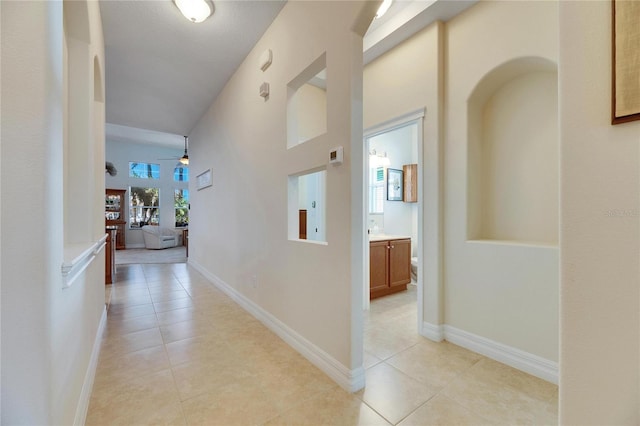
(87,386)
(516,358)
(395,123)
(78,257)
(350,380)
(432,332)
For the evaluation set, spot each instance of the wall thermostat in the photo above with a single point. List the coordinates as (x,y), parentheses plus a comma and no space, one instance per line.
(336,155)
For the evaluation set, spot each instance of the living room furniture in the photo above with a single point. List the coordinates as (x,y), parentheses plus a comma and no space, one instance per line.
(156,237)
(110,255)
(114,214)
(389,265)
(185,239)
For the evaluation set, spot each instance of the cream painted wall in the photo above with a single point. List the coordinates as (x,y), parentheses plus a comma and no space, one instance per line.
(120,154)
(311,107)
(599,355)
(519,150)
(239,226)
(504,292)
(417,67)
(48,333)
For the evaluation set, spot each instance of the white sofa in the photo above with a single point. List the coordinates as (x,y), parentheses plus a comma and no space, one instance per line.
(156,237)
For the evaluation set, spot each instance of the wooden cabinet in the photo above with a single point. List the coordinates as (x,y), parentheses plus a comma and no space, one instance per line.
(110,257)
(410,193)
(389,266)
(114,214)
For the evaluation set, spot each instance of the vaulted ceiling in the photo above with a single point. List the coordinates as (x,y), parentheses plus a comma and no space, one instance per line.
(163,72)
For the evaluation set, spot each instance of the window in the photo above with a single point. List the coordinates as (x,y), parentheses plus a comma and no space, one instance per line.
(144,170)
(144,206)
(181,173)
(181,205)
(376,187)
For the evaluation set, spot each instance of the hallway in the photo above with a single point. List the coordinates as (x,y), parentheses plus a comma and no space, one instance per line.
(178,351)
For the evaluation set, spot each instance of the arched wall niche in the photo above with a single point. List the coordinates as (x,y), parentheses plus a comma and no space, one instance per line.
(512,156)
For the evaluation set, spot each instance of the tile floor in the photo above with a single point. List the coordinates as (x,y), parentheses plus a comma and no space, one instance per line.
(178,351)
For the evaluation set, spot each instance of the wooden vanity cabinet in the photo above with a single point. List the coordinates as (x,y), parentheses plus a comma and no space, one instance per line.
(389,266)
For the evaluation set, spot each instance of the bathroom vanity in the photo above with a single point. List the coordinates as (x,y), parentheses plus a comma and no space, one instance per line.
(389,264)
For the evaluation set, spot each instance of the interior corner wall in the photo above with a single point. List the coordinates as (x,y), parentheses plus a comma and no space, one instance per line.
(238,226)
(599,355)
(507,293)
(48,333)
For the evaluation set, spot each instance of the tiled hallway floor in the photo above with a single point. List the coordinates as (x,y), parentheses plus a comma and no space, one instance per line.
(178,351)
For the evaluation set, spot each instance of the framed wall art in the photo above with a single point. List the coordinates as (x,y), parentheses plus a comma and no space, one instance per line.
(204,179)
(395,185)
(625,89)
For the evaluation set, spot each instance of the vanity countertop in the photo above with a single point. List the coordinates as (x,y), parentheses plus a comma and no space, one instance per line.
(385,237)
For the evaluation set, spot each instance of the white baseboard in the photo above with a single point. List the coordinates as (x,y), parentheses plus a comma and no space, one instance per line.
(432,332)
(350,380)
(90,375)
(516,358)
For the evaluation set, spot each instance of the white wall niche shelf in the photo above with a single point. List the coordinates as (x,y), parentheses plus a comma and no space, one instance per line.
(307,104)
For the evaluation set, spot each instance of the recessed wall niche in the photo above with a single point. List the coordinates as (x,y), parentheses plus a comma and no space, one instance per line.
(513,154)
(307,104)
(307,206)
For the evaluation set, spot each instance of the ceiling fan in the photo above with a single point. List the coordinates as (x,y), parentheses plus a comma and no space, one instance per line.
(184,160)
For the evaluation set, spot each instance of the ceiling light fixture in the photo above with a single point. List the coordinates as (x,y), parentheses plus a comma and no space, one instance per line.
(195,10)
(386,4)
(185,158)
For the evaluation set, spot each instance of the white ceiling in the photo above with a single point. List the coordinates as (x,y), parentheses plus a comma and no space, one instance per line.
(163,72)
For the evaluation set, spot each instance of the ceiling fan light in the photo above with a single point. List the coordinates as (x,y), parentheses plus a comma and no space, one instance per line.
(195,10)
(184,160)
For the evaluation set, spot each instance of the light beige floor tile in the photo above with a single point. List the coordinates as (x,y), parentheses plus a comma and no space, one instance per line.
(118,326)
(442,411)
(126,312)
(292,381)
(435,364)
(172,295)
(152,399)
(385,345)
(393,394)
(369,360)
(499,404)
(488,369)
(238,403)
(176,315)
(334,407)
(170,305)
(114,370)
(197,378)
(199,326)
(131,342)
(202,348)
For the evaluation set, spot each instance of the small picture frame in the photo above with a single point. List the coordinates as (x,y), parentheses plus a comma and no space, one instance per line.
(204,180)
(395,184)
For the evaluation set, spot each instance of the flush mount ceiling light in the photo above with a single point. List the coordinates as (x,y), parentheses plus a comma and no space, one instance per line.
(195,10)
(386,4)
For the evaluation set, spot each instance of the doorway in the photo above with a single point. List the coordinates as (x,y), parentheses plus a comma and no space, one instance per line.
(392,145)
